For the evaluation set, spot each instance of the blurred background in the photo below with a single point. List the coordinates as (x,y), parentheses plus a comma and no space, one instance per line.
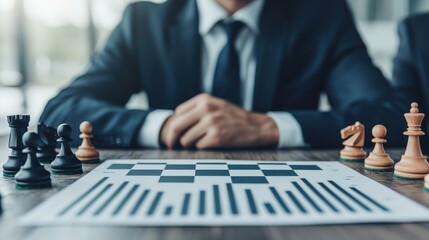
(45,43)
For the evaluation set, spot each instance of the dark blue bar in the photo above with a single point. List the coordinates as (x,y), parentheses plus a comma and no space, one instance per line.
(154,204)
(296,202)
(144,172)
(84,195)
(309,185)
(111,198)
(121,166)
(307,197)
(202,208)
(283,173)
(251,200)
(92,202)
(349,195)
(185,206)
(168,210)
(280,200)
(369,199)
(125,200)
(176,179)
(216,197)
(180,167)
(232,201)
(212,172)
(139,202)
(243,167)
(269,208)
(334,195)
(305,167)
(248,179)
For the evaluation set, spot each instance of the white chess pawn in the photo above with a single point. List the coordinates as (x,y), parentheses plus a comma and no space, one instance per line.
(378,159)
(86,152)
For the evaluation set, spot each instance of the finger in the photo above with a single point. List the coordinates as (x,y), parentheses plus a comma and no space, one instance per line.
(190,104)
(179,124)
(205,101)
(194,134)
(209,140)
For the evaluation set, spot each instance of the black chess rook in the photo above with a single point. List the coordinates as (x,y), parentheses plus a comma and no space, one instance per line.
(18,126)
(66,162)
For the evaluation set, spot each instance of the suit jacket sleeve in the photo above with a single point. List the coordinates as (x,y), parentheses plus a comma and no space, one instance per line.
(405,75)
(100,94)
(357,91)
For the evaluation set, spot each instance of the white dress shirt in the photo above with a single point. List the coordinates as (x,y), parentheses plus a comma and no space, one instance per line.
(213,41)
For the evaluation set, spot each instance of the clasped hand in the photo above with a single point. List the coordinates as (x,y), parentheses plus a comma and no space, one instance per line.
(207,122)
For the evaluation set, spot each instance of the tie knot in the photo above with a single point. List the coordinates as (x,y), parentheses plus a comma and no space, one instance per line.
(232,28)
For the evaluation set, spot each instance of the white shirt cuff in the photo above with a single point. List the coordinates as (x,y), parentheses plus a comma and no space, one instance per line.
(290,132)
(149,132)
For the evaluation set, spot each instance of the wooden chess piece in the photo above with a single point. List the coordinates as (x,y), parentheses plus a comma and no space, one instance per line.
(413,165)
(66,162)
(32,174)
(426,187)
(86,151)
(378,159)
(353,145)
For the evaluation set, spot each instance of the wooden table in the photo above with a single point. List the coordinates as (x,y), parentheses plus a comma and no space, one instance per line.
(16,203)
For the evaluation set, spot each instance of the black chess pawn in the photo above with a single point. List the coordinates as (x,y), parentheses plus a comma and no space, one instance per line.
(18,126)
(48,139)
(66,162)
(32,174)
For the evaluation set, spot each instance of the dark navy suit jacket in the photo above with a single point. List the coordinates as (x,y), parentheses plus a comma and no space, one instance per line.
(305,47)
(411,65)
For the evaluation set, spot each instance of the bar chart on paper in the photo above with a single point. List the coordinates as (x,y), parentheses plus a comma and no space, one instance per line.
(222,193)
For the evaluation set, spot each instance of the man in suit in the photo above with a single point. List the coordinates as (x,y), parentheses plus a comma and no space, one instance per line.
(411,65)
(230,73)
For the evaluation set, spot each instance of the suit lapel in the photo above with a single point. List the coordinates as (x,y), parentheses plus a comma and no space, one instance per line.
(185,45)
(270,48)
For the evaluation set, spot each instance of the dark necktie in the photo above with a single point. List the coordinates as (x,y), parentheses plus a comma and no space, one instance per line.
(226,82)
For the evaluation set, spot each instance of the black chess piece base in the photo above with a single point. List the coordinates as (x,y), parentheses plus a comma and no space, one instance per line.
(66,165)
(67,172)
(32,178)
(13,165)
(37,185)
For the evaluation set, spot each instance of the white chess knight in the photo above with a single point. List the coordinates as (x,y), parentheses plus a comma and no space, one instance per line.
(353,145)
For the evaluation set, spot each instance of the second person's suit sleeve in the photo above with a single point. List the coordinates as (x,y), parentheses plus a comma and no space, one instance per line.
(357,91)
(405,77)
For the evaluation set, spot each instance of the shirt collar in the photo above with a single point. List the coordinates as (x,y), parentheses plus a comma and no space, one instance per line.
(211,13)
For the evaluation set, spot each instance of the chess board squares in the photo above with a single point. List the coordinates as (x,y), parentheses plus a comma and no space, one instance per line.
(278,170)
(180,167)
(146,169)
(304,167)
(120,166)
(178,174)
